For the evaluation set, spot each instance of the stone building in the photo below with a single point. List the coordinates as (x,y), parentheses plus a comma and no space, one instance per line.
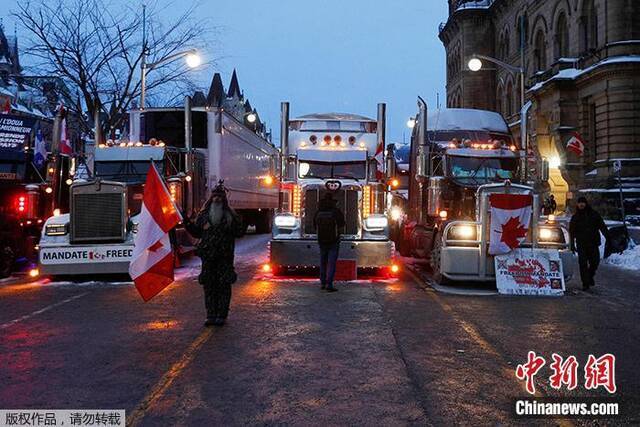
(582,74)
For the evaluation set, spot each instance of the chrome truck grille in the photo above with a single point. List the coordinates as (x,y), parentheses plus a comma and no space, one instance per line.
(347,202)
(98,212)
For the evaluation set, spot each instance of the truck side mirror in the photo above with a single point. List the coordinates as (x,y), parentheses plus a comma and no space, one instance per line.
(544,170)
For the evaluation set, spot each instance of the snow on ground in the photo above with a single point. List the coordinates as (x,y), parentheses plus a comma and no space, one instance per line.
(629,259)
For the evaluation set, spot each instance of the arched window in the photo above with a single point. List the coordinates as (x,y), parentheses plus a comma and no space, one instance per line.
(508,111)
(562,37)
(500,99)
(503,48)
(540,52)
(589,26)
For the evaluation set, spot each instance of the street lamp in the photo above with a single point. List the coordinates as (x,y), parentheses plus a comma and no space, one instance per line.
(411,123)
(475,64)
(192,60)
(251,117)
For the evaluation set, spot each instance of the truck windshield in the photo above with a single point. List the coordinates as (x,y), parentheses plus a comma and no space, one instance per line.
(332,126)
(126,171)
(354,170)
(482,169)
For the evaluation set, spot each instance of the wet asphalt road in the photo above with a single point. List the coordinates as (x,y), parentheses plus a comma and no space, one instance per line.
(376,352)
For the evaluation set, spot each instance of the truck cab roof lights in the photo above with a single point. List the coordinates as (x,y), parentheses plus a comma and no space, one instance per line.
(327,139)
(352,140)
(313,139)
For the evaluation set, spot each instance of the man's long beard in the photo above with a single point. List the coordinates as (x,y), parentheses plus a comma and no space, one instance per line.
(216,213)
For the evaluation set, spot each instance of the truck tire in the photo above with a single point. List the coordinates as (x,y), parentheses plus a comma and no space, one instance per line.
(6,263)
(263,222)
(435,261)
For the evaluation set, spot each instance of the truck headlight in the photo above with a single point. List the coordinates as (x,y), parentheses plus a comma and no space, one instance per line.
(463,232)
(55,229)
(285,221)
(376,222)
(551,235)
(396,213)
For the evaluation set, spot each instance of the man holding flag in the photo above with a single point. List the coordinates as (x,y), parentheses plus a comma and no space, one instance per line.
(217,225)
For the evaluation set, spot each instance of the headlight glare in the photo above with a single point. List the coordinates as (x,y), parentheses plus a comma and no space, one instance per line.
(285,221)
(463,232)
(551,235)
(376,222)
(396,213)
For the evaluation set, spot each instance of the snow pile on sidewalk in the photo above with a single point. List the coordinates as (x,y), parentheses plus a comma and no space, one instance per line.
(629,259)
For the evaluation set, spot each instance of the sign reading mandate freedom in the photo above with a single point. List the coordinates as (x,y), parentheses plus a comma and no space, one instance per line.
(15,131)
(530,272)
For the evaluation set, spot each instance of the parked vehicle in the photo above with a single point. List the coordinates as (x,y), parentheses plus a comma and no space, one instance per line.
(97,235)
(332,153)
(28,194)
(458,158)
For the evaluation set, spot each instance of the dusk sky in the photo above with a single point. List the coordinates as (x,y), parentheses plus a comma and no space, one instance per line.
(331,55)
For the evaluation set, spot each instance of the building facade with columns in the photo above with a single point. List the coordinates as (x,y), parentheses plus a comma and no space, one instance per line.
(582,75)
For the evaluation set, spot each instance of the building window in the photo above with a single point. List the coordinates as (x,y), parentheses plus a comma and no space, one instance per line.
(499,99)
(589,26)
(504,45)
(540,52)
(508,111)
(562,38)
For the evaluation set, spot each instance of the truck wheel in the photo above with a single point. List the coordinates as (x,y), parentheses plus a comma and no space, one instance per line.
(435,261)
(263,222)
(403,247)
(6,264)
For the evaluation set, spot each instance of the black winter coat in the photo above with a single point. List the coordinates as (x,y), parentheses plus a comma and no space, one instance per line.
(585,228)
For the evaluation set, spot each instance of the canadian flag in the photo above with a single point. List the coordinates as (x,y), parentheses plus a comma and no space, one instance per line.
(65,144)
(510,219)
(576,144)
(152,262)
(380,160)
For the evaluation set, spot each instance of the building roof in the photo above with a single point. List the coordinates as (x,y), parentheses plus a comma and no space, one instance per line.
(216,92)
(234,87)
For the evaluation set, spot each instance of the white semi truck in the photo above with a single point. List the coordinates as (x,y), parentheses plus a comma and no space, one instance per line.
(332,153)
(96,236)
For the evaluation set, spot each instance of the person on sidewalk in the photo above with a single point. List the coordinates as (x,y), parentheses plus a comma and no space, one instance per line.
(217,225)
(328,222)
(584,231)
(553,205)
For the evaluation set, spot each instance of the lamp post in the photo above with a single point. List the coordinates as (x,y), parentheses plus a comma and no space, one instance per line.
(475,64)
(192,59)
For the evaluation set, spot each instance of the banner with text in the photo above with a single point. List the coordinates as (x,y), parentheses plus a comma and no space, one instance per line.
(15,131)
(530,272)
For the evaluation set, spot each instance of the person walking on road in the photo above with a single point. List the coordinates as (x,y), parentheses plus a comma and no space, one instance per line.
(328,222)
(552,205)
(217,226)
(584,230)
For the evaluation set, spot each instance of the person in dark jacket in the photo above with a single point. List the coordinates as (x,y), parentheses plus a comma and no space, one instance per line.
(553,206)
(217,225)
(328,222)
(584,229)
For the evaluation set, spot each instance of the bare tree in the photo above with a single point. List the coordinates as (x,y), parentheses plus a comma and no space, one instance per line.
(97,47)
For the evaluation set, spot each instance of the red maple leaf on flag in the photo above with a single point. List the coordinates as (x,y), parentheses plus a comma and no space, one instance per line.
(512,230)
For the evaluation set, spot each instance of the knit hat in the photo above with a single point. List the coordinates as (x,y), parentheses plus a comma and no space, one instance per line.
(219,189)
(582,199)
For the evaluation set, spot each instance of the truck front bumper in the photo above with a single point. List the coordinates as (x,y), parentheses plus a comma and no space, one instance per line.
(463,264)
(81,260)
(306,253)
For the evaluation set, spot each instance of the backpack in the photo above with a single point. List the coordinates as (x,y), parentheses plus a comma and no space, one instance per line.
(327,227)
